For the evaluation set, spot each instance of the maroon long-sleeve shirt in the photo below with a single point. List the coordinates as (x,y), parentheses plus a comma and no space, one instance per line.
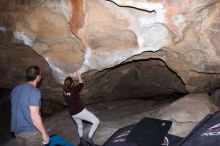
(73,99)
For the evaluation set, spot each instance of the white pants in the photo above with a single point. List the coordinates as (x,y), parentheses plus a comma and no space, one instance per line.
(87,116)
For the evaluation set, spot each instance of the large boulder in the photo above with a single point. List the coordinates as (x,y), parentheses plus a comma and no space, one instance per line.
(187,112)
(95,35)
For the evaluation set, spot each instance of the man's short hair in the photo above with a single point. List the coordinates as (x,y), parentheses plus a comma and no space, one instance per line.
(32,72)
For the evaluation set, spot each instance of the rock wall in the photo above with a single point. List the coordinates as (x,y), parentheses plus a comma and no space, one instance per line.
(94,35)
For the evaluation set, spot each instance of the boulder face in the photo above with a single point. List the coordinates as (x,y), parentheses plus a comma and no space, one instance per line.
(98,35)
(181,31)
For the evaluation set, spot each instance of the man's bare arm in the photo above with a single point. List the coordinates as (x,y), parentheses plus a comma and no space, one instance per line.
(37,121)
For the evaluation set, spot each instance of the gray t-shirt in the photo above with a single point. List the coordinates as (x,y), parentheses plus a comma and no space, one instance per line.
(23,96)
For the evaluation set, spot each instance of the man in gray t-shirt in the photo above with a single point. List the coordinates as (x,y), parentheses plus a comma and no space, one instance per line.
(23,96)
(26,121)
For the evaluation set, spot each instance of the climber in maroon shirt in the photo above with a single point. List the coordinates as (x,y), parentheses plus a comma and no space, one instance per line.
(77,109)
